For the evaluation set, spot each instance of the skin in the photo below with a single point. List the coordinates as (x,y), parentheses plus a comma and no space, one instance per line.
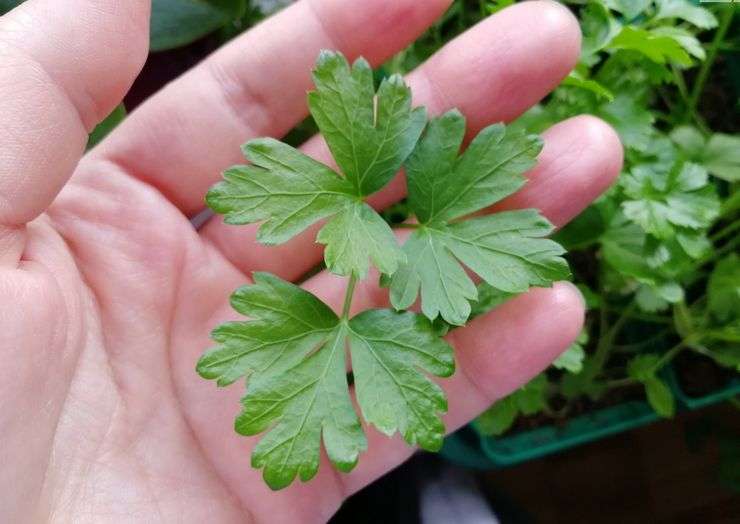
(108,294)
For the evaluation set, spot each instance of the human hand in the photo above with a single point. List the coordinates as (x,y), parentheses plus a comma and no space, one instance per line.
(108,294)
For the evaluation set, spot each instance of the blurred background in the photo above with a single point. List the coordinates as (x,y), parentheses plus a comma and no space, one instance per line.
(639,420)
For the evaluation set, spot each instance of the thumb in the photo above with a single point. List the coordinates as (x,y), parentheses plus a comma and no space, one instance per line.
(63,67)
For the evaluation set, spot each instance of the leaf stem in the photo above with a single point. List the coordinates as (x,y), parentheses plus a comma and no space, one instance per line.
(603,347)
(717,253)
(348,296)
(669,355)
(620,382)
(722,233)
(706,66)
(407,225)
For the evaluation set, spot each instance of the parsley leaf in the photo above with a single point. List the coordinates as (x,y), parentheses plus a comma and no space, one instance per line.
(290,191)
(288,323)
(571,359)
(723,289)
(720,155)
(293,352)
(505,249)
(657,47)
(387,348)
(698,16)
(531,398)
(283,186)
(309,402)
(643,368)
(660,201)
(444,187)
(369,145)
(345,255)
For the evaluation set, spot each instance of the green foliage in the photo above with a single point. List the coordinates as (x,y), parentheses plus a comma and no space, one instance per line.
(572,358)
(723,289)
(659,248)
(293,349)
(527,400)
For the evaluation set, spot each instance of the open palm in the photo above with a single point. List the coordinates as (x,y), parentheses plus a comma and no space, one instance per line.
(108,294)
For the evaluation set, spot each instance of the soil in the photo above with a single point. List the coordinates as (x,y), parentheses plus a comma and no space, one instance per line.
(699,376)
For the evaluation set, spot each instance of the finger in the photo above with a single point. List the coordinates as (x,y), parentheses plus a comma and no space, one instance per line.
(491,73)
(256,86)
(64,66)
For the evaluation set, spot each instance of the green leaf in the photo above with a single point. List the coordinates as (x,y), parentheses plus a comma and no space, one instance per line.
(658,48)
(690,140)
(660,397)
(356,234)
(723,289)
(629,8)
(629,117)
(571,359)
(575,80)
(585,383)
(444,187)
(106,126)
(505,249)
(284,187)
(175,23)
(394,395)
(721,157)
(598,27)
(643,367)
(497,418)
(368,144)
(300,408)
(660,201)
(288,323)
(683,10)
(531,398)
(445,287)
(687,40)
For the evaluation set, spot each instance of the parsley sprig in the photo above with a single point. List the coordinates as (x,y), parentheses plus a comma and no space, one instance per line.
(293,350)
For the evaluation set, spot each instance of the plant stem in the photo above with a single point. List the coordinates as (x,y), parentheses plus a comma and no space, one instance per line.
(722,233)
(348,296)
(645,317)
(706,66)
(718,253)
(620,382)
(669,355)
(630,348)
(603,347)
